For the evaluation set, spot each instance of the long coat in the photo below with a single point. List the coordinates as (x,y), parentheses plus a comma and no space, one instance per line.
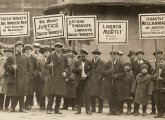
(3,77)
(142,89)
(136,67)
(57,84)
(127,85)
(71,80)
(38,63)
(159,88)
(18,86)
(111,84)
(96,80)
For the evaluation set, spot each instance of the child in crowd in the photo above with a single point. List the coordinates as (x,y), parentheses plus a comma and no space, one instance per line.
(142,90)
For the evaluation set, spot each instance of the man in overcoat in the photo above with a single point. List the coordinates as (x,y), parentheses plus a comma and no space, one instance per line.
(113,72)
(18,68)
(82,69)
(96,81)
(71,82)
(57,64)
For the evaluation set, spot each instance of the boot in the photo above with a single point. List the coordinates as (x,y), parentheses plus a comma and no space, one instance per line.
(57,111)
(128,112)
(111,112)
(88,111)
(100,111)
(153,113)
(144,113)
(93,109)
(78,111)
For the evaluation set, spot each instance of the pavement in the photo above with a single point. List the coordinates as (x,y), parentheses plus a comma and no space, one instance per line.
(36,114)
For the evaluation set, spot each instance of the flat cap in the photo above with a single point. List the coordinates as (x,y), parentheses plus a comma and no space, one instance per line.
(58,44)
(27,46)
(83,51)
(139,51)
(36,45)
(19,43)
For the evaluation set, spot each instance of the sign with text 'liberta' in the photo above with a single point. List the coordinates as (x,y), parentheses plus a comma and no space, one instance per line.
(80,27)
(48,27)
(112,31)
(14,24)
(152,26)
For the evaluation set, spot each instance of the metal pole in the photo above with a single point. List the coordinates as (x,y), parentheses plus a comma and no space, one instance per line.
(15,71)
(51,55)
(112,64)
(157,68)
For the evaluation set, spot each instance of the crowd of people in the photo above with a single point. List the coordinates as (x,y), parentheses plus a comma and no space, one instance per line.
(60,73)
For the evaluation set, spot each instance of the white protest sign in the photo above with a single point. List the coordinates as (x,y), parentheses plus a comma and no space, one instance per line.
(14,24)
(48,27)
(113,32)
(152,26)
(80,27)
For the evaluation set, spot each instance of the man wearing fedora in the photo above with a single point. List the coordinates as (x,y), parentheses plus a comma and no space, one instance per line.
(18,70)
(113,72)
(57,64)
(96,81)
(82,69)
(132,56)
(157,95)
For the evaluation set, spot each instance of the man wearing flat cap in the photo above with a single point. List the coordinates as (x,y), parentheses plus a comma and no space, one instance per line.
(137,64)
(37,60)
(82,70)
(96,81)
(113,72)
(17,86)
(57,64)
(158,66)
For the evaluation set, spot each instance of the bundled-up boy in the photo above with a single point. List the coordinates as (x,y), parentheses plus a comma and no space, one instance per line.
(142,89)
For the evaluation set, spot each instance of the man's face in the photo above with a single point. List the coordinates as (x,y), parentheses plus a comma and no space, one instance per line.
(19,48)
(83,55)
(58,48)
(46,54)
(159,56)
(69,54)
(28,51)
(115,57)
(132,57)
(140,56)
(36,49)
(96,56)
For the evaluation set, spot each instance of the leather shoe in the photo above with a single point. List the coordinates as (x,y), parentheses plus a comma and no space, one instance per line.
(11,110)
(49,112)
(58,112)
(153,113)
(144,114)
(99,111)
(78,112)
(158,115)
(23,111)
(89,112)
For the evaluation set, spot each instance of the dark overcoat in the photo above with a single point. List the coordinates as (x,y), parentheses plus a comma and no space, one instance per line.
(57,84)
(113,82)
(96,80)
(142,89)
(136,67)
(71,80)
(18,86)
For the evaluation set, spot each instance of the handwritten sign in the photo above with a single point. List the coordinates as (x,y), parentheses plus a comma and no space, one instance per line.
(48,27)
(80,27)
(114,32)
(152,26)
(14,24)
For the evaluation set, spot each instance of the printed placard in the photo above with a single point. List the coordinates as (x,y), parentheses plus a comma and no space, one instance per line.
(80,27)
(113,32)
(152,26)
(48,27)
(14,24)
